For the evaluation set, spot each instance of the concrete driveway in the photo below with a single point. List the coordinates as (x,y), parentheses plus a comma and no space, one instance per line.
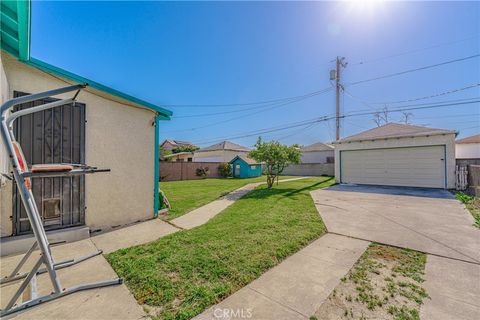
(428,220)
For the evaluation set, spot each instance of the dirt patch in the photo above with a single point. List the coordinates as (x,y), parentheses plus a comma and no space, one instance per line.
(385,283)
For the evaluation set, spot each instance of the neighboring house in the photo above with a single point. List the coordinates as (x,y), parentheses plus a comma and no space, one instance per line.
(245,167)
(318,153)
(397,155)
(179,157)
(173,144)
(220,152)
(468,148)
(105,128)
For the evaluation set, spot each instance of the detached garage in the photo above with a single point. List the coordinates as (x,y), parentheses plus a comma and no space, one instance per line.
(398,155)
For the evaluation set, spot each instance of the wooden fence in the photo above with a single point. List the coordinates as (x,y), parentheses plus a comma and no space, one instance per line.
(174,171)
(310,169)
(461,175)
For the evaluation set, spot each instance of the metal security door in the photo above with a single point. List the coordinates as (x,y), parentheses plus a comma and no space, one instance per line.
(52,136)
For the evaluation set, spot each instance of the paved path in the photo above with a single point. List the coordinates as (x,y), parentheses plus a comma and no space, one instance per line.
(114,302)
(295,288)
(454,288)
(201,215)
(428,220)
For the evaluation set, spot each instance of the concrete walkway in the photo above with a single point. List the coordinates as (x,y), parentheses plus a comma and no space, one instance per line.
(454,288)
(295,288)
(114,302)
(201,215)
(427,220)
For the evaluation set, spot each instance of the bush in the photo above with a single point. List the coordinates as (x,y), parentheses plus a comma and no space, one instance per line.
(225,169)
(462,197)
(202,172)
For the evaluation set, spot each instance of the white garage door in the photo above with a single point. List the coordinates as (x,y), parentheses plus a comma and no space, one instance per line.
(414,167)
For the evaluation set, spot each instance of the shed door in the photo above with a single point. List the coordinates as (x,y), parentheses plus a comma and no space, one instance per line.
(237,170)
(412,167)
(52,136)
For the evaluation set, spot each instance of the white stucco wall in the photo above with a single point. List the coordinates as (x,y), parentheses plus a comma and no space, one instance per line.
(5,189)
(445,139)
(467,150)
(119,136)
(316,156)
(216,155)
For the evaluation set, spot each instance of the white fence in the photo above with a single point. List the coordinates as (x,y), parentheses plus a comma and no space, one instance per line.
(461,175)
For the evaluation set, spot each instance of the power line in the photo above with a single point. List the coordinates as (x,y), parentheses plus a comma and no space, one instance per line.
(243,104)
(413,51)
(252,108)
(246,115)
(326,118)
(413,70)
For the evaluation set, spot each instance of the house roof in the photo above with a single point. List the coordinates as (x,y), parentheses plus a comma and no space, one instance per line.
(319,146)
(177,142)
(246,159)
(471,139)
(15,39)
(225,145)
(394,130)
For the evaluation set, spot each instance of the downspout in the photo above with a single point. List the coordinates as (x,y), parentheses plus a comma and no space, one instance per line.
(156,155)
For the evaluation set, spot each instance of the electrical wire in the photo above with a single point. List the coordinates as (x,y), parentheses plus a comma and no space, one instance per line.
(413,70)
(413,51)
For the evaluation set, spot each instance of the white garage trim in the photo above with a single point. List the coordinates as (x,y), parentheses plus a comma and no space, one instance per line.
(379,159)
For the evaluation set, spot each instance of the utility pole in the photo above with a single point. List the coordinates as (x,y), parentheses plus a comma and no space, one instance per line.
(335,75)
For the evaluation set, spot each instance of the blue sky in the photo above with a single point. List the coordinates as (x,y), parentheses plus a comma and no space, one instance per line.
(216,53)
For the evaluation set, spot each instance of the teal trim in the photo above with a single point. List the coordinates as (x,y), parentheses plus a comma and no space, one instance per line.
(156,159)
(15,28)
(163,113)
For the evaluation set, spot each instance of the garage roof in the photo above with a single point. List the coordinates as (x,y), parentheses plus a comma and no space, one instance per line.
(471,139)
(15,39)
(225,145)
(395,130)
(319,146)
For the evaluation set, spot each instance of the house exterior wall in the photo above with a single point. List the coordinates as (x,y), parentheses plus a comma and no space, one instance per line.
(317,156)
(246,170)
(467,151)
(217,155)
(5,187)
(118,136)
(448,140)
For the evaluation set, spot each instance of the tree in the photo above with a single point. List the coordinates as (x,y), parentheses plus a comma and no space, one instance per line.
(186,148)
(406,117)
(381,117)
(275,156)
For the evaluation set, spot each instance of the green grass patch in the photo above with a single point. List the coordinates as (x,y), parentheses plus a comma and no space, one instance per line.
(184,196)
(472,204)
(184,273)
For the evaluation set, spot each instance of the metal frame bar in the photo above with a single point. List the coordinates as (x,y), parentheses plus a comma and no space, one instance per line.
(8,137)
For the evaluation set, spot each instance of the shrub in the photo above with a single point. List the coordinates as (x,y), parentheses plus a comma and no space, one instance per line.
(225,169)
(202,172)
(462,197)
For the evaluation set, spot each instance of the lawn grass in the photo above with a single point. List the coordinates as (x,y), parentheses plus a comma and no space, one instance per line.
(184,273)
(385,283)
(184,196)
(472,204)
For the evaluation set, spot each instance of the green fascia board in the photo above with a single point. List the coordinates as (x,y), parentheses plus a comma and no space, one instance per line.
(163,113)
(15,16)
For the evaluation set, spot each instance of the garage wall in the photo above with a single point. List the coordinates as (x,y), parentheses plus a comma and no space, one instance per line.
(448,140)
(467,150)
(316,156)
(118,136)
(216,155)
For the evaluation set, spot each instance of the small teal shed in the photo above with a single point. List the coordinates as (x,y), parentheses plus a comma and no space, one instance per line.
(244,167)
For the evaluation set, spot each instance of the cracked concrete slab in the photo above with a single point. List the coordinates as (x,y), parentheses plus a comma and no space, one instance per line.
(426,220)
(454,288)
